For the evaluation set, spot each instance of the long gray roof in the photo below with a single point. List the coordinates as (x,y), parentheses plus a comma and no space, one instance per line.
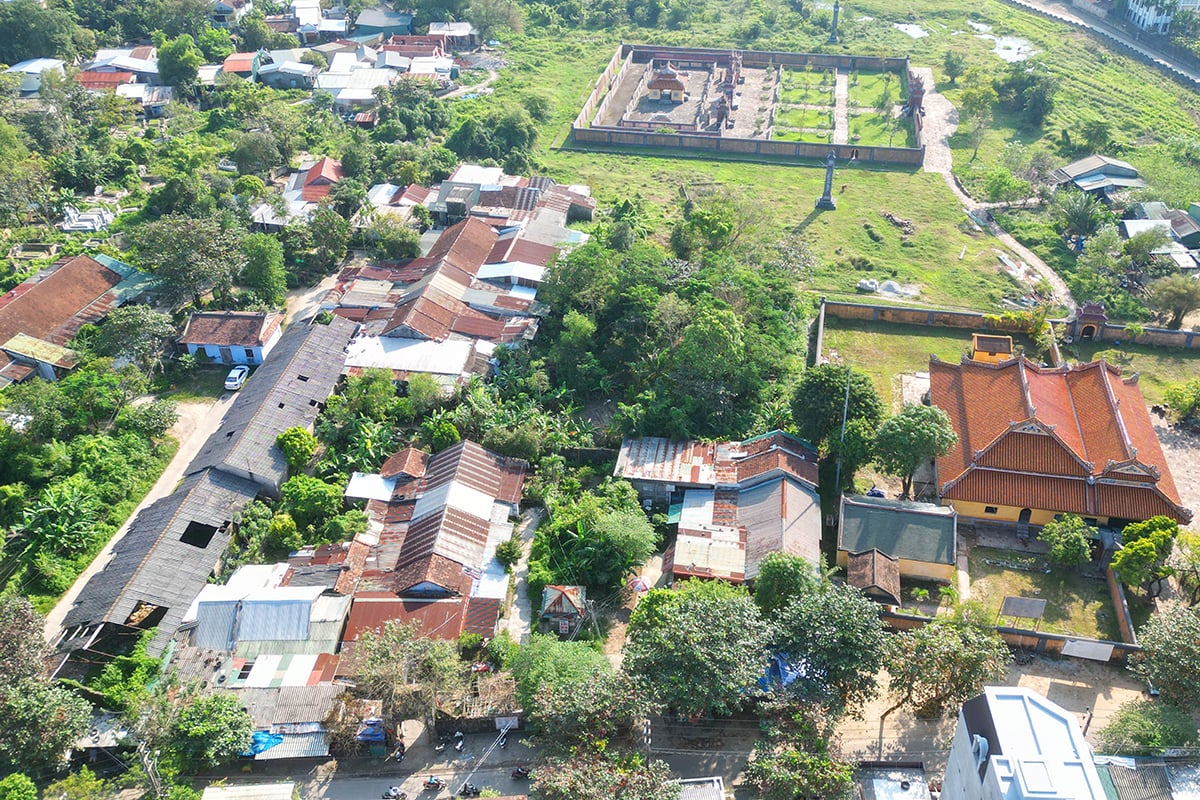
(153,565)
(913,531)
(288,390)
(782,515)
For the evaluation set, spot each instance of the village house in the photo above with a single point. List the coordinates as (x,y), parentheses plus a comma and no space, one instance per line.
(228,13)
(288,75)
(31,71)
(733,502)
(443,314)
(1035,442)
(40,316)
(383,21)
(305,189)
(454,36)
(1099,175)
(920,537)
(232,337)
(244,65)
(435,523)
(140,61)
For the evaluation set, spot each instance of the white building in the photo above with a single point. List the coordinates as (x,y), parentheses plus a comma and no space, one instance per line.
(1013,744)
(1155,17)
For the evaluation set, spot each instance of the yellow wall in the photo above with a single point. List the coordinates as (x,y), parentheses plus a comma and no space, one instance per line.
(921,570)
(1005,513)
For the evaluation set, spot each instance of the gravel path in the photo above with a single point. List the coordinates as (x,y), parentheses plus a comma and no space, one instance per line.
(941,121)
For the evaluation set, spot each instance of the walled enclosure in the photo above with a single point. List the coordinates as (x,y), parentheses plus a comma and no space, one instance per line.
(629,59)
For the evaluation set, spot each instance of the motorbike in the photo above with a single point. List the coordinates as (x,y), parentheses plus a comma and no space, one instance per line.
(399,754)
(394,793)
(433,782)
(469,790)
(503,740)
(441,744)
(460,741)
(520,773)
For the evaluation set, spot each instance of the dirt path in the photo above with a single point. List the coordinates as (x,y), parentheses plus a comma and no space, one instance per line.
(520,617)
(198,419)
(941,121)
(492,75)
(304,303)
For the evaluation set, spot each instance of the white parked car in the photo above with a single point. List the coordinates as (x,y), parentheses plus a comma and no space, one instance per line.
(236,377)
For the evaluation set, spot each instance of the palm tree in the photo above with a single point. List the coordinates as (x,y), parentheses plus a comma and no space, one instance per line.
(1080,214)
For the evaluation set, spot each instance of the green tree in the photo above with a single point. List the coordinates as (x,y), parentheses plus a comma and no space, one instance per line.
(149,420)
(81,785)
(32,30)
(189,255)
(548,663)
(820,398)
(784,768)
(264,272)
(424,392)
(41,721)
(1146,546)
(1079,213)
(1178,295)
(311,501)
(298,446)
(439,433)
(782,578)
(603,776)
(698,649)
(1070,540)
(18,787)
(509,552)
(601,706)
(136,332)
(936,667)
(330,235)
(1146,728)
(408,672)
(836,634)
(1170,655)
(954,64)
(1096,134)
(211,730)
(393,240)
(215,43)
(256,152)
(1141,246)
(914,437)
(491,17)
(23,646)
(179,61)
(62,520)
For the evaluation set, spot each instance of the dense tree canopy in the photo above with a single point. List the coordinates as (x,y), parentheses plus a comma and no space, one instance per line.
(189,255)
(1070,540)
(698,648)
(782,578)
(911,439)
(819,402)
(1170,654)
(835,636)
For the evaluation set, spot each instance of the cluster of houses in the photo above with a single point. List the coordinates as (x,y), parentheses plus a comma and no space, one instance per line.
(1033,443)
(1104,177)
(374,51)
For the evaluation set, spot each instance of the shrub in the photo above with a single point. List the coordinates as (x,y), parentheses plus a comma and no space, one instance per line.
(1144,727)
(509,552)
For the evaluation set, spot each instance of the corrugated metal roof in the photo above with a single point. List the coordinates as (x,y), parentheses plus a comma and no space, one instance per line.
(298,745)
(257,791)
(288,390)
(783,515)
(289,704)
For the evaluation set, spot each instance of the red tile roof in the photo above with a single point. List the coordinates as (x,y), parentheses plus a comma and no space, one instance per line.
(239,62)
(1065,439)
(409,461)
(231,328)
(320,178)
(100,81)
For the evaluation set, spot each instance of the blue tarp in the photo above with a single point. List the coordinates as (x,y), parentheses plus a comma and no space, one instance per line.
(263,740)
(371,730)
(780,672)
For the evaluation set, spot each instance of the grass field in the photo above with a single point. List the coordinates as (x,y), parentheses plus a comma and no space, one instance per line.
(1075,604)
(814,88)
(874,129)
(885,351)
(1157,367)
(869,87)
(805,118)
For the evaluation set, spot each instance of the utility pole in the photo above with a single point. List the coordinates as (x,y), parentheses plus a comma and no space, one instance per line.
(837,483)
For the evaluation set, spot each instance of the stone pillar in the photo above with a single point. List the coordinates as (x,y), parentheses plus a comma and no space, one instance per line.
(837,8)
(826,201)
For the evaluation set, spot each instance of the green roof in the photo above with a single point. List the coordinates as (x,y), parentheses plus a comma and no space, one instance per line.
(40,350)
(912,531)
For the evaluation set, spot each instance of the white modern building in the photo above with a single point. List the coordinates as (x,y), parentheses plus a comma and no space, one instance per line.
(1013,744)
(1156,17)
